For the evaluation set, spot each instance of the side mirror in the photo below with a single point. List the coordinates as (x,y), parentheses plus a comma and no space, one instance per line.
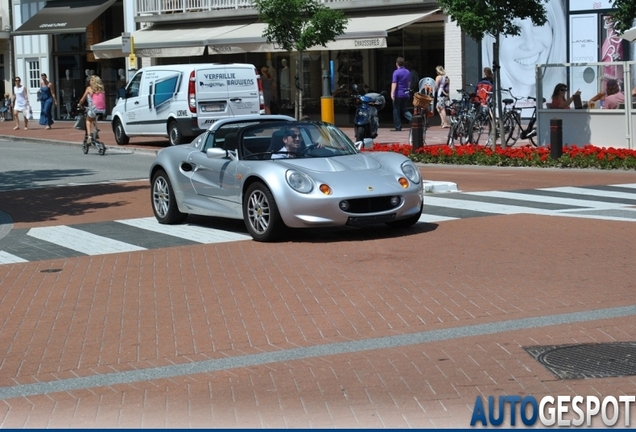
(219,153)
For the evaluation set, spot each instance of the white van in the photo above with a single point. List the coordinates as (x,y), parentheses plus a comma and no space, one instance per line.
(182,101)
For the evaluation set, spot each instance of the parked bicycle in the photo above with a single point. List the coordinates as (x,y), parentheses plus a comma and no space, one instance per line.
(482,121)
(460,114)
(513,127)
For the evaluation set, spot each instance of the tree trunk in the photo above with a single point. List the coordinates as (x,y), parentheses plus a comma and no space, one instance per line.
(302,85)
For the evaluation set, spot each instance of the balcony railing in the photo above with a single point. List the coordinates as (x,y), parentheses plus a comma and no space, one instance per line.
(160,7)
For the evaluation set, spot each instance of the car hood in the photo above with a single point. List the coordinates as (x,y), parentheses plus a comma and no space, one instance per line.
(357,162)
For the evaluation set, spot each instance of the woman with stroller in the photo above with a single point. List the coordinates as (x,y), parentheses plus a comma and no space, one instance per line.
(47,101)
(96,98)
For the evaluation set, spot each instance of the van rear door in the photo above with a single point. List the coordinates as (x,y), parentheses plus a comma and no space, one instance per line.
(226,90)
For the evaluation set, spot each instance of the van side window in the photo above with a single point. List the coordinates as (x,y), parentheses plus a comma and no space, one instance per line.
(133,87)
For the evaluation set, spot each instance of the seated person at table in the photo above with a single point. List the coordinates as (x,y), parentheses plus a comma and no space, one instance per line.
(612,97)
(559,99)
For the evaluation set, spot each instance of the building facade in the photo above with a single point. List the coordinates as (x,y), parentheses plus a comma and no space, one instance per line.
(70,38)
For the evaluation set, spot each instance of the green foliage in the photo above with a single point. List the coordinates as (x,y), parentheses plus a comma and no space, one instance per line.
(623,14)
(495,17)
(297,25)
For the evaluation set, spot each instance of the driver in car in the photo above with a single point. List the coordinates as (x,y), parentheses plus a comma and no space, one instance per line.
(291,142)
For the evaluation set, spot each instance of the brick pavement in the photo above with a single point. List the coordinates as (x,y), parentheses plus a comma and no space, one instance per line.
(258,335)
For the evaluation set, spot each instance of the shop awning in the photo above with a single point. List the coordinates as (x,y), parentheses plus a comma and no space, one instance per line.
(64,16)
(184,41)
(361,33)
(163,41)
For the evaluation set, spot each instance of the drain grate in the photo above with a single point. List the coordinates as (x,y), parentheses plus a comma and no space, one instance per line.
(598,360)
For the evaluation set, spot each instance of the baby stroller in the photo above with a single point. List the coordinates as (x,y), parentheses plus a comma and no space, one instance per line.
(80,124)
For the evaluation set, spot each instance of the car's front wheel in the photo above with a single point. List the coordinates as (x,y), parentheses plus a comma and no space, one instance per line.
(261,215)
(164,203)
(409,221)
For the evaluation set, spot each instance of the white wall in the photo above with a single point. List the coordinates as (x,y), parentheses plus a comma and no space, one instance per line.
(28,48)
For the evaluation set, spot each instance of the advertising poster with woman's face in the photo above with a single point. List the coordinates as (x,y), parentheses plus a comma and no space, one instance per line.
(518,55)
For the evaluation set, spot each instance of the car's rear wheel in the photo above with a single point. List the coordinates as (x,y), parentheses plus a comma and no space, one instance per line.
(261,215)
(410,221)
(164,203)
(174,134)
(120,135)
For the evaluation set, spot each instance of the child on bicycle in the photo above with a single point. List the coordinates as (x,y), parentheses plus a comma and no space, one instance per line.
(96,98)
(6,106)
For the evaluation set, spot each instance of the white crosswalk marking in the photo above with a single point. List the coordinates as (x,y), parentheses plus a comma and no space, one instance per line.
(459,207)
(482,206)
(7,258)
(81,241)
(592,192)
(546,199)
(188,232)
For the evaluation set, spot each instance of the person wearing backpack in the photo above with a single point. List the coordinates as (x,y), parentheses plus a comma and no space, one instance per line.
(484,87)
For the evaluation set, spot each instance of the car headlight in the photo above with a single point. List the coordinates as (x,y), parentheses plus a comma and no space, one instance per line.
(298,181)
(411,172)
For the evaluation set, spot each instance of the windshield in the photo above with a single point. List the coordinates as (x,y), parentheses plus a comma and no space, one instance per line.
(294,140)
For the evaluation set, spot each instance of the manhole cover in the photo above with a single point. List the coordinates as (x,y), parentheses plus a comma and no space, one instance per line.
(587,360)
(51,271)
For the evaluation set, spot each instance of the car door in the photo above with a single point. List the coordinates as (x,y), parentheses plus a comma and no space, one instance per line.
(216,178)
(136,104)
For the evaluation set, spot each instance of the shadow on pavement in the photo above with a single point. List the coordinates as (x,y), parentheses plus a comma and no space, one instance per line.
(45,204)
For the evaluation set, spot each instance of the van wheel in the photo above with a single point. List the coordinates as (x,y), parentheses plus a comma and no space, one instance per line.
(174,134)
(120,135)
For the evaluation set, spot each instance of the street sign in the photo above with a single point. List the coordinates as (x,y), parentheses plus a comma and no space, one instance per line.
(126,46)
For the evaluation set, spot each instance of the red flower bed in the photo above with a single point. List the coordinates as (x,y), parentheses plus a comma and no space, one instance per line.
(588,156)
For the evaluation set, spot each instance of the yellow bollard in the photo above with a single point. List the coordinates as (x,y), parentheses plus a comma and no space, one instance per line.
(326,109)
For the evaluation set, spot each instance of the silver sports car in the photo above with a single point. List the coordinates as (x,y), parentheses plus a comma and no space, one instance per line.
(274,172)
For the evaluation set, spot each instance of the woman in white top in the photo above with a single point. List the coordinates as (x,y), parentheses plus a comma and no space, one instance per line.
(20,104)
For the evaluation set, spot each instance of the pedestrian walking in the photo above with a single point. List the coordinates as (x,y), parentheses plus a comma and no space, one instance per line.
(400,94)
(47,101)
(442,82)
(20,104)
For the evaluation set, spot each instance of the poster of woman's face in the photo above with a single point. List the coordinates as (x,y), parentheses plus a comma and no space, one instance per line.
(518,55)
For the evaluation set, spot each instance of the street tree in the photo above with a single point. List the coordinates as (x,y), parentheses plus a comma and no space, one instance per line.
(623,14)
(297,25)
(478,18)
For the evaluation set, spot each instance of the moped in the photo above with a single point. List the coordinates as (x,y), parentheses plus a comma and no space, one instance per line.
(366,121)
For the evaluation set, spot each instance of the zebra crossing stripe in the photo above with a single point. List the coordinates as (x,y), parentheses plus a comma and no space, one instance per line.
(592,192)
(546,199)
(81,241)
(7,258)
(428,218)
(483,206)
(189,232)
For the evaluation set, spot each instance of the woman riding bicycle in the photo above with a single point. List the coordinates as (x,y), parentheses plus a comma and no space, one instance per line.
(96,98)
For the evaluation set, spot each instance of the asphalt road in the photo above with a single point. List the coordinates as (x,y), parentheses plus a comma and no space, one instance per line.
(25,165)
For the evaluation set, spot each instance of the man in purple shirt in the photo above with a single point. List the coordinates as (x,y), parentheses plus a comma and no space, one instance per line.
(400,94)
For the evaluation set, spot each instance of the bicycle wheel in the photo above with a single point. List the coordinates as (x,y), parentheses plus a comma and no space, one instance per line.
(512,128)
(479,130)
(452,135)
